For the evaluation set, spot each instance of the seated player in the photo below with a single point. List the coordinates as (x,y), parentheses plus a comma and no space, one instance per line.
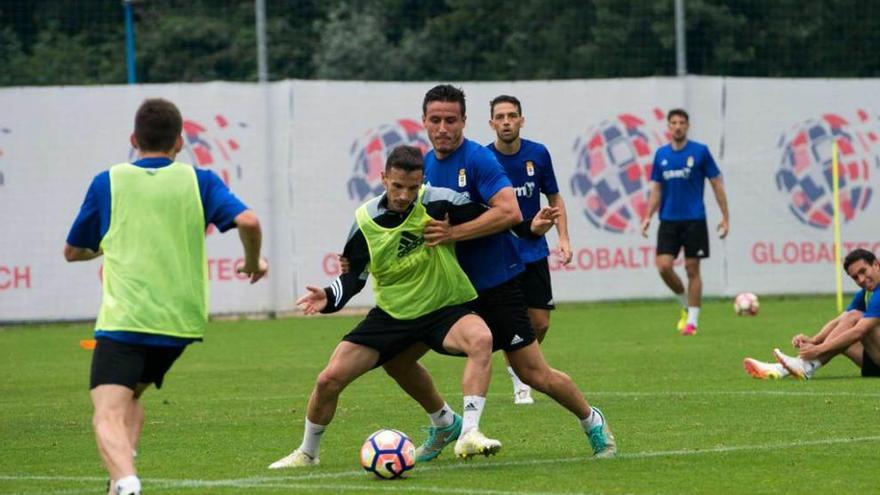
(854,333)
(420,294)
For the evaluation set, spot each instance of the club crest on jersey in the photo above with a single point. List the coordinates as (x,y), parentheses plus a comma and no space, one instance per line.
(462,178)
(690,162)
(530,168)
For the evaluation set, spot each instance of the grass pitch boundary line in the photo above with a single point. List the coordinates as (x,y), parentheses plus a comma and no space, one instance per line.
(298,481)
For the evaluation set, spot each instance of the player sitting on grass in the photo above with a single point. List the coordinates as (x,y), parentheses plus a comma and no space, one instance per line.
(855,333)
(420,294)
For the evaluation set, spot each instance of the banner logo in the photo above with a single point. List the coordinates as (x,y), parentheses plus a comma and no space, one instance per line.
(613,169)
(805,170)
(370,151)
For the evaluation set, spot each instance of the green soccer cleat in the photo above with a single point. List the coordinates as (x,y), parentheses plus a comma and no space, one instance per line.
(437,439)
(682,320)
(601,439)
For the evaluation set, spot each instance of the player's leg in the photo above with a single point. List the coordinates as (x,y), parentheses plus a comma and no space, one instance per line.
(871,354)
(134,420)
(669,243)
(111,405)
(696,247)
(348,362)
(530,365)
(538,293)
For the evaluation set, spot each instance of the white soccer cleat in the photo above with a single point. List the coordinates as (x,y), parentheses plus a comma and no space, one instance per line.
(763,371)
(794,365)
(523,396)
(297,458)
(473,443)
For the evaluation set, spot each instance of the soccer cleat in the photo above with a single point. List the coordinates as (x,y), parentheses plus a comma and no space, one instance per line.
(523,396)
(601,439)
(761,370)
(473,443)
(682,320)
(297,458)
(794,365)
(437,439)
(689,329)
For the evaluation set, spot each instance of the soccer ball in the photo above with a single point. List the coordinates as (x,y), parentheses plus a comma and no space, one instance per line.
(388,454)
(746,304)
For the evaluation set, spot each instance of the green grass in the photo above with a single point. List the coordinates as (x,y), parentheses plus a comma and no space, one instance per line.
(687,418)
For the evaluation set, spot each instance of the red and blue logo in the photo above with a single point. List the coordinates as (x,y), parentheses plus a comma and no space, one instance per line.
(805,170)
(613,169)
(370,151)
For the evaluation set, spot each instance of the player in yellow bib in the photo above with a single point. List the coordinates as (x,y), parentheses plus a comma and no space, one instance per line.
(420,294)
(148,218)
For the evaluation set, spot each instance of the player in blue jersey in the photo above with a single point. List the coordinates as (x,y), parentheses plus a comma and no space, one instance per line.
(148,220)
(855,333)
(530,169)
(489,256)
(677,178)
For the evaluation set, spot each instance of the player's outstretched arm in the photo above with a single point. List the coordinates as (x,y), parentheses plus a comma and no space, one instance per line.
(721,198)
(73,253)
(314,301)
(653,205)
(503,213)
(546,218)
(251,236)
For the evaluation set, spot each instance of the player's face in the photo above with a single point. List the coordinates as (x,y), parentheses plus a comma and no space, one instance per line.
(506,122)
(401,188)
(678,128)
(865,275)
(445,125)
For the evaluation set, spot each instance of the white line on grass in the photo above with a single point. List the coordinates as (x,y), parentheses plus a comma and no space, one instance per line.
(277,481)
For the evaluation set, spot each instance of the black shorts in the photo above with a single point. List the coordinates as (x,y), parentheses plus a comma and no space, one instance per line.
(693,235)
(504,309)
(869,367)
(536,285)
(390,336)
(118,363)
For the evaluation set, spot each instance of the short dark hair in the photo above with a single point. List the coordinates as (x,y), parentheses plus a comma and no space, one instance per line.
(157,125)
(856,255)
(504,99)
(680,112)
(446,93)
(406,158)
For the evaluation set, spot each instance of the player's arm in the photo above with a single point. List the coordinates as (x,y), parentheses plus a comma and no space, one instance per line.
(73,253)
(556,201)
(84,239)
(251,235)
(654,197)
(503,213)
(839,342)
(721,197)
(847,319)
(332,298)
(446,204)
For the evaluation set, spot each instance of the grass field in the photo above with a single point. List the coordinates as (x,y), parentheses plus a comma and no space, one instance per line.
(686,416)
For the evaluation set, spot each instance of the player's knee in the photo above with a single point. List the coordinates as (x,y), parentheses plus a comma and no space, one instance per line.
(105,418)
(479,343)
(536,378)
(328,383)
(665,268)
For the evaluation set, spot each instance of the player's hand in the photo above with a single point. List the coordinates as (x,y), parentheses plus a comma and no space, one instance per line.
(255,272)
(646,224)
(438,231)
(545,220)
(344,264)
(723,228)
(565,253)
(809,351)
(313,301)
(800,339)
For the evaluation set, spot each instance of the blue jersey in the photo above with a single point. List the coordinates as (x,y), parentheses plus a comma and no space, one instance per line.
(531,171)
(473,170)
(91,224)
(682,175)
(868,303)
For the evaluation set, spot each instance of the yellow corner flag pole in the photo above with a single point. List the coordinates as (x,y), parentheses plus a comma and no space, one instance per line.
(835,179)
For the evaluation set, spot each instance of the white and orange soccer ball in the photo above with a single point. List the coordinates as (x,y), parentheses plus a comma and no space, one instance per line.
(746,304)
(388,454)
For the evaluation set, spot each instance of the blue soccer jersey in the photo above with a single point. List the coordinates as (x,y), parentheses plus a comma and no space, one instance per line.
(866,302)
(682,175)
(531,171)
(473,170)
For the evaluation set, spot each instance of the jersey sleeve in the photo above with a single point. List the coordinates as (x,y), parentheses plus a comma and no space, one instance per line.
(220,205)
(441,201)
(90,225)
(711,168)
(548,177)
(656,175)
(347,285)
(488,173)
(858,302)
(873,306)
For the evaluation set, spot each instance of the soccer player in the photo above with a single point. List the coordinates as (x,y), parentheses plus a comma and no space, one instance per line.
(490,258)
(148,220)
(854,333)
(677,179)
(530,169)
(420,294)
